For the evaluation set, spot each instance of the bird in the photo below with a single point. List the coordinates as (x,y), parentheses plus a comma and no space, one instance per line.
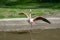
(31,20)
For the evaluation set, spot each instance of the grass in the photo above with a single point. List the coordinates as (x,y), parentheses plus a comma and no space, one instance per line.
(13,10)
(14,13)
(40,5)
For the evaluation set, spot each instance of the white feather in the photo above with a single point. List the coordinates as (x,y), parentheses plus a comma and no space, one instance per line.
(31,20)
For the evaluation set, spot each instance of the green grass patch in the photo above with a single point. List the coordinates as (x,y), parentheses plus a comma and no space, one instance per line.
(50,5)
(13,10)
(14,13)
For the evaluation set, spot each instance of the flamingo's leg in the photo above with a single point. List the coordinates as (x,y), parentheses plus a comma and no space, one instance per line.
(30,31)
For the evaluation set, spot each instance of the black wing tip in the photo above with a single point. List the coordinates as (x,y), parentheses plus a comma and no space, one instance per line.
(46,20)
(49,22)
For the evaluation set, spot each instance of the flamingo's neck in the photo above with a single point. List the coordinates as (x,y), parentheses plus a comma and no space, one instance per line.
(30,18)
(30,14)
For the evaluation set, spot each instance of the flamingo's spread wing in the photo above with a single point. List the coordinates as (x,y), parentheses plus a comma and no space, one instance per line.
(41,18)
(25,13)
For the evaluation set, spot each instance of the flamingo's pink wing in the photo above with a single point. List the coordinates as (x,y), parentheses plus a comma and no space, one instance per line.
(25,13)
(41,18)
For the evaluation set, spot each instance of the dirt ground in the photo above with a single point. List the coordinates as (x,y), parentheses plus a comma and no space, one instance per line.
(48,34)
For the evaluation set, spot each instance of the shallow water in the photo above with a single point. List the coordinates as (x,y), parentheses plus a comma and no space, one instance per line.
(48,34)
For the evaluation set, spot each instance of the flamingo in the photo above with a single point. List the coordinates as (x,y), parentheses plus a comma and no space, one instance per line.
(30,20)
